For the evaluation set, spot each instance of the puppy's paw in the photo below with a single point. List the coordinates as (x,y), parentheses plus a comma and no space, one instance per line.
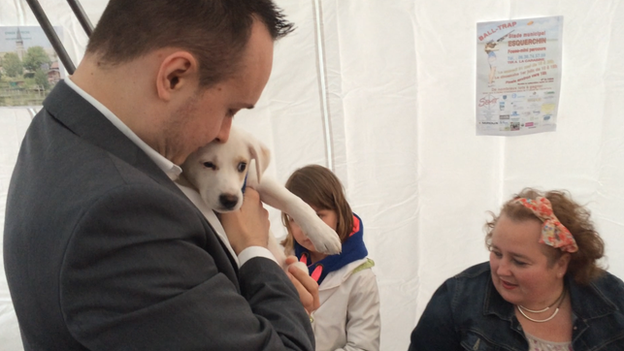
(301,266)
(324,238)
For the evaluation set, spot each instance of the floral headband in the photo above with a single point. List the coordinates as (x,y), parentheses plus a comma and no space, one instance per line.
(554,233)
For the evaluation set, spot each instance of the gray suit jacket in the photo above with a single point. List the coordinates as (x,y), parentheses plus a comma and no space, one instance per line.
(103,252)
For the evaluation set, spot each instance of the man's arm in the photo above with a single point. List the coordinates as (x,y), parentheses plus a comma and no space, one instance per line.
(307,287)
(250,227)
(144,272)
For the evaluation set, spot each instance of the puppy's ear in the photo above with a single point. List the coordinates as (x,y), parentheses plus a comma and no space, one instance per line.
(261,154)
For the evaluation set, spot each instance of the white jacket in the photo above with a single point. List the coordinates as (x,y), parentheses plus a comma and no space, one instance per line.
(348,318)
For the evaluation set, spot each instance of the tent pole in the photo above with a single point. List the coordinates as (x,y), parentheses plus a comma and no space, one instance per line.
(82,16)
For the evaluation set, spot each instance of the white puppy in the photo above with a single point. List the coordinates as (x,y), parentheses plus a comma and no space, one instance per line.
(217,171)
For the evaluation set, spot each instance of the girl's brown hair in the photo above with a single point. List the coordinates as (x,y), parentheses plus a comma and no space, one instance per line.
(583,264)
(319,187)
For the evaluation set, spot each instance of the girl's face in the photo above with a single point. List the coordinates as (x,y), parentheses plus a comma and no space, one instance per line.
(520,269)
(330,217)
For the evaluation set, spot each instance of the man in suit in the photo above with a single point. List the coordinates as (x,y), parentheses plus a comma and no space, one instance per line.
(102,250)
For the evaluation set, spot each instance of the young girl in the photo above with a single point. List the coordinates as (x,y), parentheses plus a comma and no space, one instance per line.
(348,318)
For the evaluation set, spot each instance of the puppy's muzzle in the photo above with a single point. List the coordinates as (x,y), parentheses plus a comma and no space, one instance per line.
(228,201)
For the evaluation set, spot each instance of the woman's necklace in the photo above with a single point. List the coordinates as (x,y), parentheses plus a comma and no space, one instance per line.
(559,300)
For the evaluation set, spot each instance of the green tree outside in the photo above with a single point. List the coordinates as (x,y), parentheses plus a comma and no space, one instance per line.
(12,65)
(34,58)
(41,79)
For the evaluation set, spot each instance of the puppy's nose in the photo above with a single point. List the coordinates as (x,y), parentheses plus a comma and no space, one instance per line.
(228,200)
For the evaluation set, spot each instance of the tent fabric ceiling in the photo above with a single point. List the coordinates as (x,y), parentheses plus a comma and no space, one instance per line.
(394,108)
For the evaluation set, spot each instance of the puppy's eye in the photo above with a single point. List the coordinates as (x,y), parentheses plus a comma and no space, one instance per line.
(210,165)
(242,167)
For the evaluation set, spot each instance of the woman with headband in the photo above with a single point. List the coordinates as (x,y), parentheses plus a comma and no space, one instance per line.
(542,289)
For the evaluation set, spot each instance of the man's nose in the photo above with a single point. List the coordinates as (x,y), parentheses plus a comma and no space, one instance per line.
(224,132)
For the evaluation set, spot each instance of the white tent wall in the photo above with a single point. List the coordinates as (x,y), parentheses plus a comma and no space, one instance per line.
(383,92)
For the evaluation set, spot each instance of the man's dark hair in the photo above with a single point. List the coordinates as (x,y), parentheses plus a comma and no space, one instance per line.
(214,31)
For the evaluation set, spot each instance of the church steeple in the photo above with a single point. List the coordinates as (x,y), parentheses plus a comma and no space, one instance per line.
(19,45)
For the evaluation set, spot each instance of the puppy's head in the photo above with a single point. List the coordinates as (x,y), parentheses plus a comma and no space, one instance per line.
(218,170)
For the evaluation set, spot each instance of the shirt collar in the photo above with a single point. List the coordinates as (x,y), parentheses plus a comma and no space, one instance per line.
(172,170)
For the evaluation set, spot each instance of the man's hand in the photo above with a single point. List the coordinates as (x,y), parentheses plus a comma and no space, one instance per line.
(249,226)
(306,286)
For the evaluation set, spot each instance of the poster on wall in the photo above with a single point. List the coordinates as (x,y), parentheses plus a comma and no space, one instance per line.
(518,76)
(29,66)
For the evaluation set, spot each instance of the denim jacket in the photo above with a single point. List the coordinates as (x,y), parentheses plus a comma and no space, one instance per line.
(467,313)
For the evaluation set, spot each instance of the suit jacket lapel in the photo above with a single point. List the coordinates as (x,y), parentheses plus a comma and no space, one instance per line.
(84,120)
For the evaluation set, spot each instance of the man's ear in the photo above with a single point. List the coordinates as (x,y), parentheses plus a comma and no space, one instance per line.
(177,71)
